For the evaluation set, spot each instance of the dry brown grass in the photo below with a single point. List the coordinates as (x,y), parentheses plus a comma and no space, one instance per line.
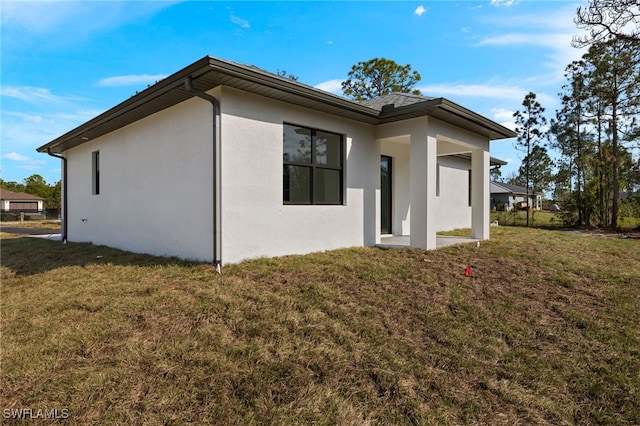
(545,331)
(53,225)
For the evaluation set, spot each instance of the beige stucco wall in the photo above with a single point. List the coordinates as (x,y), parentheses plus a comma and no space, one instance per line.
(156,182)
(155,185)
(156,176)
(452,208)
(452,205)
(255,222)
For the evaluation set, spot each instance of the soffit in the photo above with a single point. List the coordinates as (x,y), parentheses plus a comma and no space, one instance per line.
(449,112)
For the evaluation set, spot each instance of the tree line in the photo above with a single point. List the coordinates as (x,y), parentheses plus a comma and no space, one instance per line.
(596,130)
(36,185)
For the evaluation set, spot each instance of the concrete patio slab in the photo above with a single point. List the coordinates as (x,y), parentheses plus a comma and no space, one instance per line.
(402,241)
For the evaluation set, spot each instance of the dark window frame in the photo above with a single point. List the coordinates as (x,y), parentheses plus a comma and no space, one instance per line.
(389,205)
(437,178)
(314,166)
(95,168)
(470,188)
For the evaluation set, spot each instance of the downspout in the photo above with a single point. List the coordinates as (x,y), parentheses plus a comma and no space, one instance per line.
(216,211)
(64,193)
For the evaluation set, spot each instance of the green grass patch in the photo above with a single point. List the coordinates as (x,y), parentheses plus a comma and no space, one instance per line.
(547,219)
(545,331)
(541,218)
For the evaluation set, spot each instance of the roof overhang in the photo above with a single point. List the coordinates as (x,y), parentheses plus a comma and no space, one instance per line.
(209,72)
(450,112)
(493,161)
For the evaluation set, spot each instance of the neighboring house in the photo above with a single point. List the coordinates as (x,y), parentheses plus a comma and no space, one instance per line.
(512,196)
(223,162)
(17,202)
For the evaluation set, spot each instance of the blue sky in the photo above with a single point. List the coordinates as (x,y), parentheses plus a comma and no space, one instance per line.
(65,62)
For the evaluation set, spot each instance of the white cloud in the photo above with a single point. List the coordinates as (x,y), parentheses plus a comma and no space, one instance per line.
(505,3)
(242,23)
(14,156)
(502,114)
(504,117)
(476,90)
(420,10)
(506,40)
(331,86)
(26,163)
(51,16)
(485,98)
(465,29)
(130,80)
(551,32)
(22,130)
(560,52)
(46,16)
(552,40)
(34,94)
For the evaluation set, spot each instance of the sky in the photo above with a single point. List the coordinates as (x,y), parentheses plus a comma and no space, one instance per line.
(64,62)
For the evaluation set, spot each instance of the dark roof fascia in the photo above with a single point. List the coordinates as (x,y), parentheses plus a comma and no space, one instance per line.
(444,109)
(292,87)
(219,69)
(497,162)
(493,161)
(419,109)
(514,189)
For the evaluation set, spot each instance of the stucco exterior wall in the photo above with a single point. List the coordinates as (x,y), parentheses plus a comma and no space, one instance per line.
(452,208)
(255,221)
(156,182)
(155,185)
(452,205)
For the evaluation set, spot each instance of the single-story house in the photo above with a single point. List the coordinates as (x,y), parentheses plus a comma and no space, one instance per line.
(222,162)
(505,196)
(16,202)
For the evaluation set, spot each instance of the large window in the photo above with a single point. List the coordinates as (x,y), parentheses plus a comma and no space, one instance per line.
(313,169)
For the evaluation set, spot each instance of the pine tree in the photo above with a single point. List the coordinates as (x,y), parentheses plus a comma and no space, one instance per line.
(530,123)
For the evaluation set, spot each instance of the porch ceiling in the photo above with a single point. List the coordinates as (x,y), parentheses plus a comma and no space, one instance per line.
(449,112)
(452,148)
(445,147)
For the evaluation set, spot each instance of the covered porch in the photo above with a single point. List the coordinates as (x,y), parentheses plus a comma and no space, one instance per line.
(434,177)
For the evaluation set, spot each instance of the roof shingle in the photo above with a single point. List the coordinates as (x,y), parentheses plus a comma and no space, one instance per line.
(5,194)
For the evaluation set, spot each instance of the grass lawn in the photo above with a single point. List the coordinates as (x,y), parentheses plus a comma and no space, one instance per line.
(545,331)
(547,219)
(53,225)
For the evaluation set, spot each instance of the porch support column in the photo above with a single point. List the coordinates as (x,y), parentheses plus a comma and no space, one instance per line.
(423,187)
(480,194)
